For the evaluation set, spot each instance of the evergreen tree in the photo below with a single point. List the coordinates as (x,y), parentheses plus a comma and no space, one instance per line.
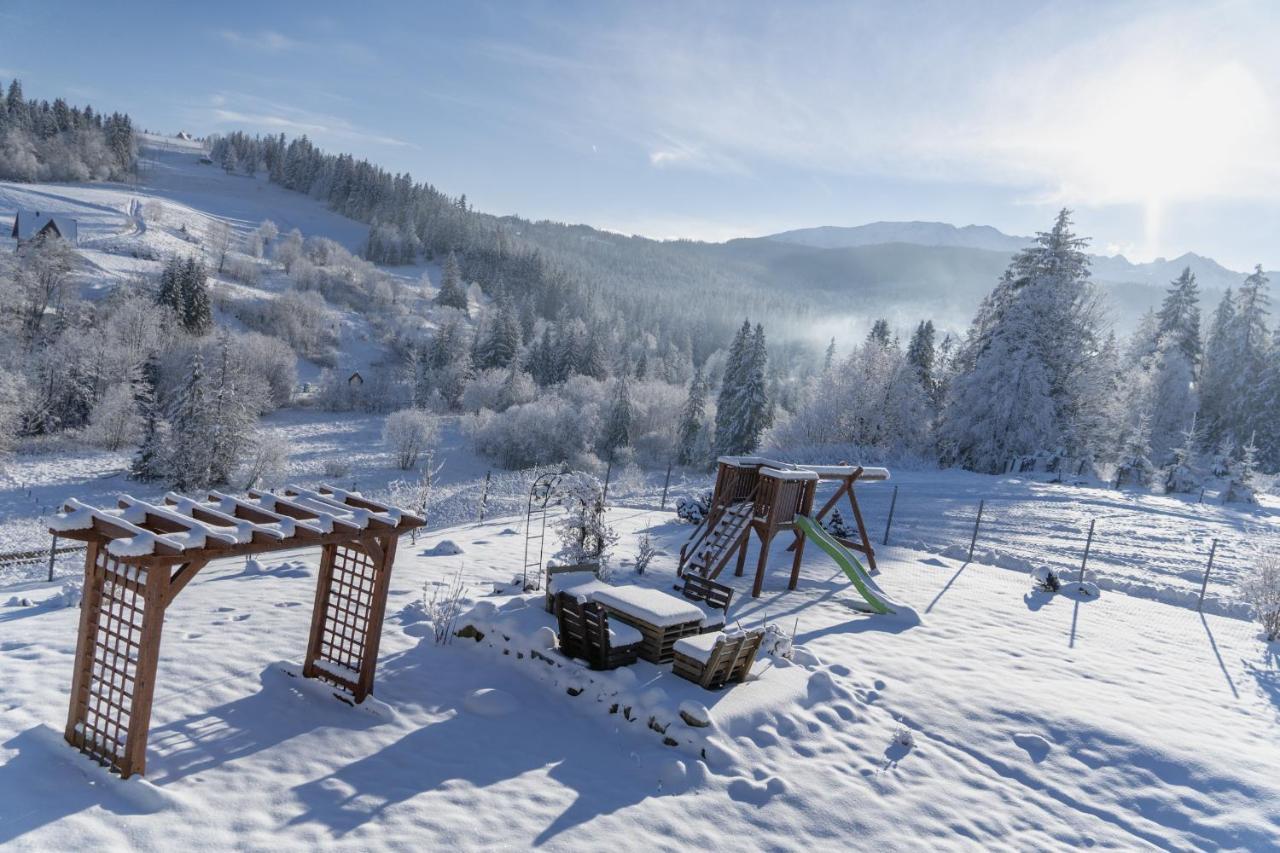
(691,417)
(170,293)
(231,416)
(920,353)
(1047,302)
(829,358)
(190,462)
(728,416)
(1179,318)
(197,309)
(880,333)
(617,427)
(1217,374)
(452,291)
(1184,474)
(150,461)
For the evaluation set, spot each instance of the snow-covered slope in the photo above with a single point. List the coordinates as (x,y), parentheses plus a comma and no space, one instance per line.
(1005,719)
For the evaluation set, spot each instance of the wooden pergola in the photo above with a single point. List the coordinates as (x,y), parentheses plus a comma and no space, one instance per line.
(140,555)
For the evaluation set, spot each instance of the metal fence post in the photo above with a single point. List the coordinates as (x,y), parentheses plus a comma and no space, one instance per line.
(1088,543)
(976,522)
(893,502)
(1213,549)
(53,551)
(665,483)
(484,493)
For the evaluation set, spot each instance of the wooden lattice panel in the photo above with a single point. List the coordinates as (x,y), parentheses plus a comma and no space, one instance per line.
(347,620)
(115,662)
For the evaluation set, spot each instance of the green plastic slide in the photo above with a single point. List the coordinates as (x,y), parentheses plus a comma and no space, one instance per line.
(867,588)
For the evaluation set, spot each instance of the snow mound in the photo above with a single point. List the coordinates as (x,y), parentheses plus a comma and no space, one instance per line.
(695,714)
(1037,746)
(490,702)
(443,548)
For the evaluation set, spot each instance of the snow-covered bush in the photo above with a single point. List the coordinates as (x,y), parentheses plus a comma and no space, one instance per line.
(1242,485)
(837,526)
(1047,580)
(693,508)
(408,434)
(267,462)
(443,602)
(1261,590)
(115,420)
(336,467)
(546,431)
(585,536)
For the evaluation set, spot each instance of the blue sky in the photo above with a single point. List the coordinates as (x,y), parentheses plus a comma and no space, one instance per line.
(1157,122)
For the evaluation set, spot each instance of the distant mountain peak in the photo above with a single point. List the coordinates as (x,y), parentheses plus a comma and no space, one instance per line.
(916,233)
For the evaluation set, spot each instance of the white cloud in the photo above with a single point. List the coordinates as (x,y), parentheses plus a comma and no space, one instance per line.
(252,113)
(267,41)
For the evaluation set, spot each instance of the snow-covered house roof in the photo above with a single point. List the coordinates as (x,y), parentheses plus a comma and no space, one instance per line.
(28,224)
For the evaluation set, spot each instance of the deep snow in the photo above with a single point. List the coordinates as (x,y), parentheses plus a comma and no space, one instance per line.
(1004,718)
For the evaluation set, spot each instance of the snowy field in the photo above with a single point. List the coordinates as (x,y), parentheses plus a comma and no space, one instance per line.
(1030,722)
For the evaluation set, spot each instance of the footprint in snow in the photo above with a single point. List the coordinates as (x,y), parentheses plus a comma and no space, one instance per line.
(243,616)
(1037,747)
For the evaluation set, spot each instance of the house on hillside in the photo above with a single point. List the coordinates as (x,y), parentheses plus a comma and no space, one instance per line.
(29,225)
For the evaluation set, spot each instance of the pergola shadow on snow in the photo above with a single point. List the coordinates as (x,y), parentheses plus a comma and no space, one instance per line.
(139,556)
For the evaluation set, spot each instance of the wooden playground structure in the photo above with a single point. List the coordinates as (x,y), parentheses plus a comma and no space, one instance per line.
(140,556)
(753,494)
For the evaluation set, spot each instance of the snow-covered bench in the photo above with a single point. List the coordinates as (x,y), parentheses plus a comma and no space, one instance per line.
(561,578)
(710,597)
(587,633)
(715,659)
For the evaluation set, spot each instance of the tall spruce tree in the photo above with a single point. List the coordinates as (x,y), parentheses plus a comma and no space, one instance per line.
(617,427)
(452,291)
(691,417)
(1216,404)
(1043,316)
(1179,318)
(728,417)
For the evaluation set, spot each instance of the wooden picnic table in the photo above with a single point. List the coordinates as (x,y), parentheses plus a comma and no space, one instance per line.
(660,618)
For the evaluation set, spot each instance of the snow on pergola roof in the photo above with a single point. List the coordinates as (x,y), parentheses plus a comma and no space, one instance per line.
(29,223)
(183,528)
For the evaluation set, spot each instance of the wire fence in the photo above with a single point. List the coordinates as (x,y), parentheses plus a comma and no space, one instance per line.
(1177,553)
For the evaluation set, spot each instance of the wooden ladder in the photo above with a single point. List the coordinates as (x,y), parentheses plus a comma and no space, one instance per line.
(712,550)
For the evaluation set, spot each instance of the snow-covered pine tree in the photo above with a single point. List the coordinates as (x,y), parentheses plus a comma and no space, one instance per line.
(1004,406)
(1047,295)
(1179,318)
(1173,399)
(197,308)
(1184,473)
(452,290)
(1269,402)
(756,406)
(691,417)
(920,353)
(1216,375)
(617,427)
(150,462)
(1242,485)
(1135,467)
(728,435)
(190,460)
(232,415)
(880,332)
(1251,346)
(169,294)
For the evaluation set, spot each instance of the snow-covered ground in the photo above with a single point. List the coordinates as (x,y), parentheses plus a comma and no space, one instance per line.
(1003,719)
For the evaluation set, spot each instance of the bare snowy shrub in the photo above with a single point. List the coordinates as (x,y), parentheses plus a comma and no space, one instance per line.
(242,269)
(407,434)
(645,552)
(267,462)
(442,603)
(114,421)
(545,431)
(217,238)
(1261,590)
(336,468)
